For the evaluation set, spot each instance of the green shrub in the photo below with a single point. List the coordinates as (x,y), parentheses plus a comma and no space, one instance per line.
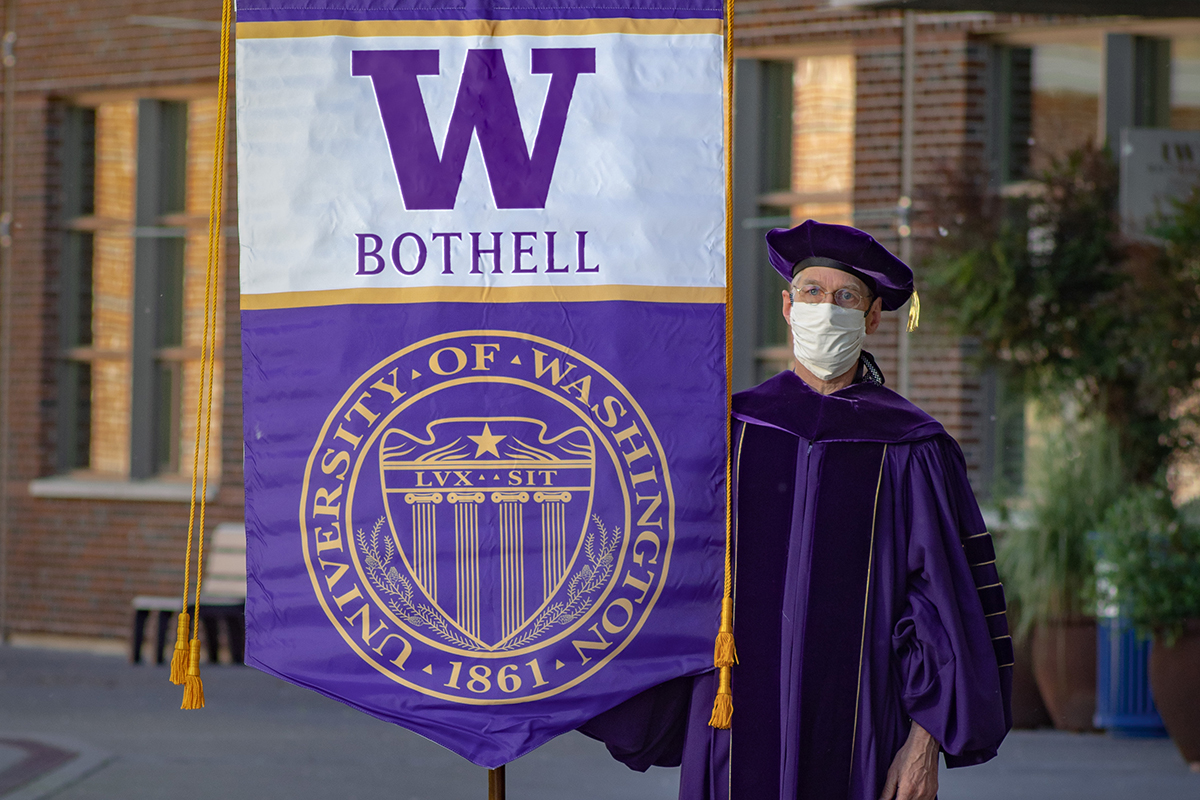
(1152,557)
(1048,565)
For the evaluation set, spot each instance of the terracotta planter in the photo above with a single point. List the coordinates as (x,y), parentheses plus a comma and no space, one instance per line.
(1064,666)
(1028,709)
(1175,681)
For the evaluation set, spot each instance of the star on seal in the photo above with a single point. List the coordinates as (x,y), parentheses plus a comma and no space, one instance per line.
(486,442)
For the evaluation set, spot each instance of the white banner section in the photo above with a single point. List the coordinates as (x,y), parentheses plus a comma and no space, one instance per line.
(635,193)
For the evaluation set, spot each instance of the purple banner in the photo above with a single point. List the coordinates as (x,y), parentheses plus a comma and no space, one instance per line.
(482,272)
(509,537)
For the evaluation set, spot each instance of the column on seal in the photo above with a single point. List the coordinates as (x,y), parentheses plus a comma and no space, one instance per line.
(466,559)
(554,538)
(424,545)
(512,568)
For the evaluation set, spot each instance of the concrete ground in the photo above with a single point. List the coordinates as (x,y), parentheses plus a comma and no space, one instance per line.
(77,726)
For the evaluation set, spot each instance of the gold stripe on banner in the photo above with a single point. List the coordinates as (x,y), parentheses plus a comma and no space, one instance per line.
(484,294)
(476,27)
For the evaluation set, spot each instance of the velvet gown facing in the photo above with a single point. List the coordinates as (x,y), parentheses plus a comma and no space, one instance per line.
(866,596)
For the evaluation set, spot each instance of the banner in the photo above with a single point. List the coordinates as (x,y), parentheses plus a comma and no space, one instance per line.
(482,284)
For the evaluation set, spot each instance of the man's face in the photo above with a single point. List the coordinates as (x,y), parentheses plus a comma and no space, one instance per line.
(828,285)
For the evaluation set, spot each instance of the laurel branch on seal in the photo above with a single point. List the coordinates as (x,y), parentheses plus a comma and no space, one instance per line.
(379,555)
(387,579)
(580,586)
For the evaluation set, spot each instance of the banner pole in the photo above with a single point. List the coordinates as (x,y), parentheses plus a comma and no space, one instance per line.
(496,783)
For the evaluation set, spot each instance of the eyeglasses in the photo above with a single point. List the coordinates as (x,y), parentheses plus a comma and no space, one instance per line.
(812,293)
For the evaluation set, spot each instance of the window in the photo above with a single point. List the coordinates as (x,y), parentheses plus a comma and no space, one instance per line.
(75,318)
(1185,83)
(1066,81)
(801,116)
(1011,137)
(1045,102)
(1050,98)
(136,178)
(1137,83)
(1152,82)
(1002,437)
(774,209)
(823,139)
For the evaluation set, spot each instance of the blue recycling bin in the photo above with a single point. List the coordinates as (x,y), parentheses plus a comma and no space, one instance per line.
(1124,704)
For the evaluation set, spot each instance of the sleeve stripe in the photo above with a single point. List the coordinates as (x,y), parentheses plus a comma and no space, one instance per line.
(989,586)
(983,563)
(1003,650)
(992,599)
(995,613)
(976,536)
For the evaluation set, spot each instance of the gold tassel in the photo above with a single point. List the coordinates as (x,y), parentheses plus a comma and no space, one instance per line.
(724,653)
(179,658)
(725,656)
(193,687)
(722,713)
(914,312)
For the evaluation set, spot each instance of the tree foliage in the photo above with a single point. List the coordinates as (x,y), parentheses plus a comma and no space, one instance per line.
(1070,309)
(1151,555)
(1049,565)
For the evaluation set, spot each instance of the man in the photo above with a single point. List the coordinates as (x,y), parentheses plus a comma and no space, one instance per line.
(868,613)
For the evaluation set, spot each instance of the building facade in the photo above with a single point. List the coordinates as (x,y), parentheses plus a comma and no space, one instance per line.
(851,113)
(844,114)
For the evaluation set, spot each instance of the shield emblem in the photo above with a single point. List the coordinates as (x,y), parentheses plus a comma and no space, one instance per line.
(488,515)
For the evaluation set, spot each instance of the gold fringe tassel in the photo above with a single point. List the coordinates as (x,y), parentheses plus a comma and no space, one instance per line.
(179,658)
(724,657)
(193,687)
(724,653)
(722,713)
(914,312)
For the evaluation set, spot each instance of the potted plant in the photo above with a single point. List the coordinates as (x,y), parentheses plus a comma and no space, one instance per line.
(1048,565)
(1152,558)
(1029,710)
(1078,316)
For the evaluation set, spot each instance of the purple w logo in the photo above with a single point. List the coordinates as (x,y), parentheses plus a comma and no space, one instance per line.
(485,106)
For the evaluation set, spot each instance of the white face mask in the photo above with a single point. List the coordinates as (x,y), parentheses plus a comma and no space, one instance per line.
(827,338)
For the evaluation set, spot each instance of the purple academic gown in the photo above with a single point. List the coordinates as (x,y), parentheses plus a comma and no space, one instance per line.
(866,596)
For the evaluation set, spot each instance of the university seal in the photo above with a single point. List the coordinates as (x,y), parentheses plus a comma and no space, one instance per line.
(494,546)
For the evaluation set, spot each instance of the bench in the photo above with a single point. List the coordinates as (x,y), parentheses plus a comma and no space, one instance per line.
(222,600)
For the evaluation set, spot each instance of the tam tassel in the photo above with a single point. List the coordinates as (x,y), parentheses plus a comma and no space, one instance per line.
(724,652)
(722,713)
(193,688)
(179,658)
(914,312)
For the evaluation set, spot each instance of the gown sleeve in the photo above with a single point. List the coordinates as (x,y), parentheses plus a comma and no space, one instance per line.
(953,652)
(647,730)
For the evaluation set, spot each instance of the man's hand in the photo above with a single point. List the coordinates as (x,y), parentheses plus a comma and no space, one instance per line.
(913,774)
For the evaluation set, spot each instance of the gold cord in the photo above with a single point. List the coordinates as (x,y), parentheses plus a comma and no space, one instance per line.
(724,652)
(193,696)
